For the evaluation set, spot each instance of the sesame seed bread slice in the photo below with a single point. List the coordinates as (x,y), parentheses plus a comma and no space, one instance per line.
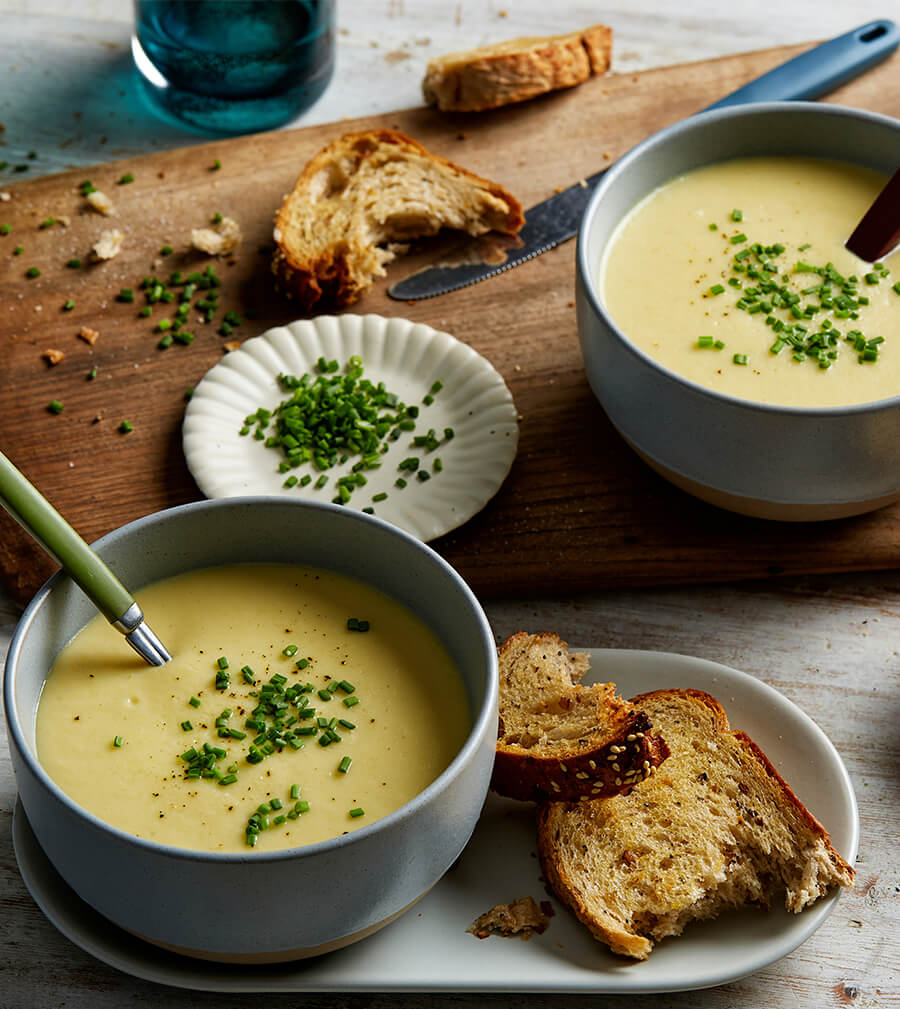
(514,71)
(362,195)
(716,827)
(558,739)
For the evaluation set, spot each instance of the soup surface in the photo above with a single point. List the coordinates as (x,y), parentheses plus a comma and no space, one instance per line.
(269,643)
(735,276)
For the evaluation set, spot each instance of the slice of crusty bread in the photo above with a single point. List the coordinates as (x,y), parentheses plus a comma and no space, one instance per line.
(715,827)
(515,71)
(365,191)
(558,739)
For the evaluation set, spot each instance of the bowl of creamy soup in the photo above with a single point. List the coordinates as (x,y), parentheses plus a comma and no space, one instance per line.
(310,762)
(732,339)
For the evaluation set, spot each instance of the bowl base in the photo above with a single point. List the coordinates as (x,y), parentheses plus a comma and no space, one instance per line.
(281,955)
(779,511)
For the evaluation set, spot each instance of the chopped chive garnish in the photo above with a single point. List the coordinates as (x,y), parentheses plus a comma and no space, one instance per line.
(194,702)
(739,359)
(344,765)
(737,215)
(357,812)
(118,741)
(126,178)
(350,702)
(289,650)
(32,272)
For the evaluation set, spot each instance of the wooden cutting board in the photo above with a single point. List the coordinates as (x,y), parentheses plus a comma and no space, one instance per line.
(579,511)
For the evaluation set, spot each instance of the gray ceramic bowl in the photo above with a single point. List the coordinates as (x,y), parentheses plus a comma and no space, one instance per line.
(186,900)
(838,461)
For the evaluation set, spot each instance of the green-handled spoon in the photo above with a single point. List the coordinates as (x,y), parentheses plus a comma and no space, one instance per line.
(39,518)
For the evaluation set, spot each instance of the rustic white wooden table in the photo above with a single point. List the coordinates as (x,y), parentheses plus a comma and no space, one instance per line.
(830,644)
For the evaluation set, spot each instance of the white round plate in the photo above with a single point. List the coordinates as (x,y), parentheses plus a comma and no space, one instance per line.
(408,357)
(498,865)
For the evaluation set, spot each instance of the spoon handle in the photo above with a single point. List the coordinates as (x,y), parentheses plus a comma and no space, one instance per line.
(821,69)
(42,521)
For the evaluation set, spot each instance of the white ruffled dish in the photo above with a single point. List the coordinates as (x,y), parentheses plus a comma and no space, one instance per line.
(429,950)
(408,357)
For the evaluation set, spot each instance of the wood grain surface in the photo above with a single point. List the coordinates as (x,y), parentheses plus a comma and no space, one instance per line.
(579,510)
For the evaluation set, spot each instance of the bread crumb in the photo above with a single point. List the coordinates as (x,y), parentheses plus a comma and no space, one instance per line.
(109,244)
(232,345)
(52,356)
(64,220)
(221,240)
(89,335)
(522,917)
(101,203)
(5,197)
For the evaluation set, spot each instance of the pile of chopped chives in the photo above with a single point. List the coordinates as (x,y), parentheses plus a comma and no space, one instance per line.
(765,289)
(335,416)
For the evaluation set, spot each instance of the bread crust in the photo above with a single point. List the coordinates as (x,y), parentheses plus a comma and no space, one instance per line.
(566,827)
(617,750)
(515,71)
(340,272)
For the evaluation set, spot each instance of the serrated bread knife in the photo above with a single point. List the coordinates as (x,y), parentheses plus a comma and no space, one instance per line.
(807,76)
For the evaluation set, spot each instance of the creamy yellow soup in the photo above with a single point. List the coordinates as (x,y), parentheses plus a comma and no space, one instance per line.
(112,732)
(662,271)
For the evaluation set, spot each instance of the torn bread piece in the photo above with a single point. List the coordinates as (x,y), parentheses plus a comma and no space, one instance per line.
(363,194)
(716,827)
(558,739)
(522,917)
(514,71)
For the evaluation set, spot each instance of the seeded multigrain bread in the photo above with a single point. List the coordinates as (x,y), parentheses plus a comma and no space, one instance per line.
(558,739)
(515,71)
(715,827)
(364,195)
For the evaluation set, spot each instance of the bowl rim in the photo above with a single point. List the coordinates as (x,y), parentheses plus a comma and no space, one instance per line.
(482,720)
(700,121)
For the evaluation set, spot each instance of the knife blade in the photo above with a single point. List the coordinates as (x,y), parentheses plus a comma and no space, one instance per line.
(555,220)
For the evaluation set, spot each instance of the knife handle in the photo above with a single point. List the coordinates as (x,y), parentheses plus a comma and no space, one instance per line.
(821,69)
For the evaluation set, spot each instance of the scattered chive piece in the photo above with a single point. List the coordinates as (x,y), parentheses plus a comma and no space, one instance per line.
(5,229)
(737,215)
(738,238)
(194,702)
(166,250)
(186,725)
(713,227)
(47,223)
(350,702)
(68,305)
(18,250)
(118,741)
(704,341)
(32,272)
(54,406)
(295,791)
(126,178)
(222,662)
(301,663)
(126,295)
(716,289)
(92,374)
(125,427)
(357,812)
(344,765)
(353,624)
(739,359)
(215,166)
(289,650)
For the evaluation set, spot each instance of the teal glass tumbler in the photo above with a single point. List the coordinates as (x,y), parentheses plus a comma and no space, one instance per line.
(230,67)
